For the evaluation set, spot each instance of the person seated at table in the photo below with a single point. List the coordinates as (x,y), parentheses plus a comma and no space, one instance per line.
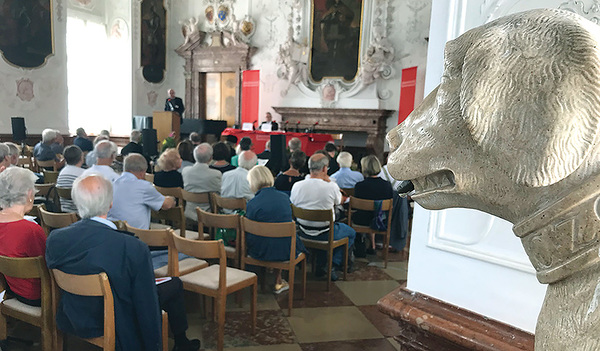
(286,180)
(372,188)
(169,163)
(271,206)
(186,152)
(20,237)
(221,156)
(70,172)
(244,145)
(345,177)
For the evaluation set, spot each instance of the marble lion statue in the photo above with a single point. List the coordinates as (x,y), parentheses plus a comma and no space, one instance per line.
(513,130)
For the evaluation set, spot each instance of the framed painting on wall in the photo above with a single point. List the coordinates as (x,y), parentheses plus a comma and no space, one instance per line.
(153,43)
(335,39)
(26,32)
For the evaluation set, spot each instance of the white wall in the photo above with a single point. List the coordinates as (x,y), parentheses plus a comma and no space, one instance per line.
(466,257)
(48,108)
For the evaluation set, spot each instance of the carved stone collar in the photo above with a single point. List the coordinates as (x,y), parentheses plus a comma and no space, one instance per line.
(562,238)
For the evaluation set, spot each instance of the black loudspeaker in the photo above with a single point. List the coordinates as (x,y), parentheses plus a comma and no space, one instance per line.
(141,122)
(278,158)
(149,142)
(18,128)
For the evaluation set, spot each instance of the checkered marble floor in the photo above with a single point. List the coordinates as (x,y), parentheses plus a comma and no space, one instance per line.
(345,318)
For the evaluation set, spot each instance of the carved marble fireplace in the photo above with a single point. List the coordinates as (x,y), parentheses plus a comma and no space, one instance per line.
(339,120)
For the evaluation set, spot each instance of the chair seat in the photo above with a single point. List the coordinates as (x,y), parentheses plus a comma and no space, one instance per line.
(159,226)
(186,266)
(208,278)
(20,307)
(320,243)
(365,229)
(194,235)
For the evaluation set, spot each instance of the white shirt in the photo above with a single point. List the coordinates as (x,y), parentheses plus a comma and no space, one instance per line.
(235,184)
(315,194)
(104,171)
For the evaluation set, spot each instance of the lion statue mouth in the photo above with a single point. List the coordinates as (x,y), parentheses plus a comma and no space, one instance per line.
(435,182)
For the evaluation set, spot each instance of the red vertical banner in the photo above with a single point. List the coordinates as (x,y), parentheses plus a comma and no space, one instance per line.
(250,95)
(407,93)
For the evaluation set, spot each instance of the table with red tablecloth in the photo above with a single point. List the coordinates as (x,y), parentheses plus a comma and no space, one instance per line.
(311,142)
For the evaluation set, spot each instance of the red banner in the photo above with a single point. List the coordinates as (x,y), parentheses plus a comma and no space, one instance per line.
(250,95)
(407,93)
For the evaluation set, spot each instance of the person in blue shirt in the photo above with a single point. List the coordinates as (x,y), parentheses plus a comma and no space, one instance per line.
(345,177)
(82,141)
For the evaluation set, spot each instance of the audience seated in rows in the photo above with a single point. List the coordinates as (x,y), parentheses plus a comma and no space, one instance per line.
(106,152)
(20,237)
(372,188)
(74,158)
(82,141)
(235,182)
(244,145)
(266,154)
(186,152)
(271,206)
(200,178)
(195,138)
(345,177)
(94,245)
(90,158)
(330,150)
(221,156)
(134,144)
(169,176)
(320,193)
(134,197)
(287,179)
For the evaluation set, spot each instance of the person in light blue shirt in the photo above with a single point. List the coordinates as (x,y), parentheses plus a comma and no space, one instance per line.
(134,197)
(345,177)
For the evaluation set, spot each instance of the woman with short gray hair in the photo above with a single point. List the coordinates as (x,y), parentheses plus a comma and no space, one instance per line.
(20,237)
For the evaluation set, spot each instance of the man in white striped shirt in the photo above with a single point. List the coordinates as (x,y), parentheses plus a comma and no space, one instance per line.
(74,157)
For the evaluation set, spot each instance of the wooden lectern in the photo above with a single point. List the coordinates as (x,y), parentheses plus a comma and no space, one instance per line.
(165,122)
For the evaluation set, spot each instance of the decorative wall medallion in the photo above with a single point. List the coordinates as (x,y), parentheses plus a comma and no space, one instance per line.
(209,13)
(329,92)
(26,32)
(152,96)
(248,26)
(223,14)
(25,89)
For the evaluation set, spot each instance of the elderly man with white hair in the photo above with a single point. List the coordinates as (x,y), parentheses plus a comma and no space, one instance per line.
(105,152)
(346,177)
(199,178)
(94,245)
(235,183)
(42,151)
(13,153)
(134,144)
(134,197)
(4,157)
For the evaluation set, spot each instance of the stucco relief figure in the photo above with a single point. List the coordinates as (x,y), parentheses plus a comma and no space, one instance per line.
(293,61)
(189,28)
(513,130)
(377,60)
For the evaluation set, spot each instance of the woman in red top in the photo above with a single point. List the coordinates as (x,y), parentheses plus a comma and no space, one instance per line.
(18,236)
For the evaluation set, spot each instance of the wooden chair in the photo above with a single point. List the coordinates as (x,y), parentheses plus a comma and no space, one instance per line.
(219,203)
(50,220)
(199,198)
(369,205)
(50,176)
(149,177)
(43,189)
(225,221)
(63,194)
(43,165)
(96,285)
(176,215)
(330,244)
(275,230)
(216,281)
(348,191)
(43,317)
(175,192)
(161,237)
(25,162)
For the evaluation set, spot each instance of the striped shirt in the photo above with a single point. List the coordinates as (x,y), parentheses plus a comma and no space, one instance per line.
(66,177)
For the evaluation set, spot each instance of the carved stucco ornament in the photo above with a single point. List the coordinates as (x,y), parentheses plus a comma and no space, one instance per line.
(25,89)
(513,129)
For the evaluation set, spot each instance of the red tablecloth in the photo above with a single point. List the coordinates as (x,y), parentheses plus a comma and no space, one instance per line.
(311,142)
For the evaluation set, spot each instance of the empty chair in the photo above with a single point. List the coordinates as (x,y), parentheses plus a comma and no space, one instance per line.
(280,231)
(43,317)
(161,237)
(223,221)
(216,281)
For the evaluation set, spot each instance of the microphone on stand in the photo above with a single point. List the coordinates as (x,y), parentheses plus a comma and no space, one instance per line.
(312,128)
(254,122)
(297,127)
(285,126)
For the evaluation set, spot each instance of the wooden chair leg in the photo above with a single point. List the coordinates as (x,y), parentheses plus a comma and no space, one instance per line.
(346,255)
(292,273)
(165,331)
(386,248)
(239,297)
(47,338)
(253,307)
(58,340)
(329,267)
(215,306)
(3,327)
(303,278)
(221,302)
(263,274)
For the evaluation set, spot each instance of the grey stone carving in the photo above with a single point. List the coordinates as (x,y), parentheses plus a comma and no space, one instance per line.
(513,130)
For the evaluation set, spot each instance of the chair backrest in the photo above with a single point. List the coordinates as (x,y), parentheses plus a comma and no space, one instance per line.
(25,162)
(175,192)
(51,220)
(369,205)
(204,249)
(269,230)
(92,285)
(149,177)
(156,237)
(50,176)
(228,203)
(46,164)
(43,189)
(64,193)
(214,220)
(200,198)
(348,191)
(315,215)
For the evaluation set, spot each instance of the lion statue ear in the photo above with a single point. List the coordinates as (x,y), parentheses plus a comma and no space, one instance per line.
(530,93)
